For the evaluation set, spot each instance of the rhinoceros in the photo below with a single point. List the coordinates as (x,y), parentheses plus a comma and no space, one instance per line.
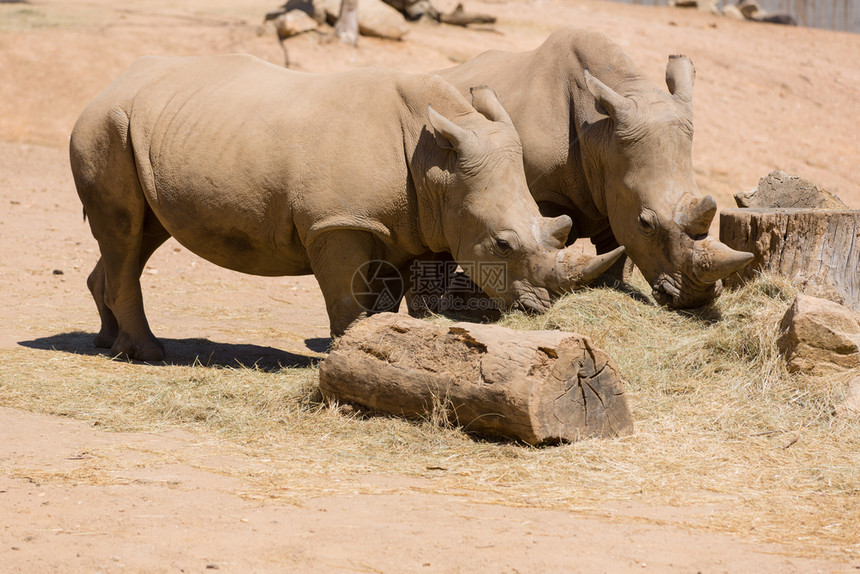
(271,172)
(605,146)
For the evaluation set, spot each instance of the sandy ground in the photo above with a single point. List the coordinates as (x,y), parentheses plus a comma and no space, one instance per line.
(766,97)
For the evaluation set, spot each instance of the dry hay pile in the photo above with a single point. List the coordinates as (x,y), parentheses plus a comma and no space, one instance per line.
(719,421)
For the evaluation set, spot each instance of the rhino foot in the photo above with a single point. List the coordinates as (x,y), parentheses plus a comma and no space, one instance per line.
(105,339)
(146,351)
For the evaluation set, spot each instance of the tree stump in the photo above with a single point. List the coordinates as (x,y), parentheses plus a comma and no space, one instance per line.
(540,387)
(818,250)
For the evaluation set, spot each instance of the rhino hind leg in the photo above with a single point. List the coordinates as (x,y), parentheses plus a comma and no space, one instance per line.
(110,328)
(153,236)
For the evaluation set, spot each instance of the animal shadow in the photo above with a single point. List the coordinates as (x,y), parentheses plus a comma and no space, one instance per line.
(189,352)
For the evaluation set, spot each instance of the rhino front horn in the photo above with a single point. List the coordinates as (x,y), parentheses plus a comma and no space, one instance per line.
(714,260)
(574,270)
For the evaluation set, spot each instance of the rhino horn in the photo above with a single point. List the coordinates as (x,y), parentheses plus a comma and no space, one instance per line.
(458,136)
(556,230)
(485,100)
(617,106)
(680,75)
(694,215)
(574,270)
(714,260)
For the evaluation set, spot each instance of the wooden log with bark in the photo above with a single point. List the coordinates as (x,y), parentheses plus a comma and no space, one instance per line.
(539,387)
(818,250)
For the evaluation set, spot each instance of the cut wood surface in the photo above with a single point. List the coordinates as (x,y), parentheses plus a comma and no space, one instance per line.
(535,386)
(819,250)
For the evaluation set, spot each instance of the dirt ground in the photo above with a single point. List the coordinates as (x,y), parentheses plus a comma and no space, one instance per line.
(766,97)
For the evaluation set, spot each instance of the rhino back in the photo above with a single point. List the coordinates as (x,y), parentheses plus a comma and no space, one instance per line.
(243,162)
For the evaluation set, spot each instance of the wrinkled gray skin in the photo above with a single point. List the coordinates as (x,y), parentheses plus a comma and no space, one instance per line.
(606,147)
(271,172)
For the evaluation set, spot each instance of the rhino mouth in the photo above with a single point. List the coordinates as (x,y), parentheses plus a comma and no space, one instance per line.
(684,292)
(532,300)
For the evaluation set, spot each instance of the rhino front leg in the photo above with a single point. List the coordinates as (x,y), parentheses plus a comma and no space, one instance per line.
(428,277)
(354,278)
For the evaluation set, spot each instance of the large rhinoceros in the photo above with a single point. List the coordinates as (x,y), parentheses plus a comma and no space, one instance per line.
(271,172)
(605,146)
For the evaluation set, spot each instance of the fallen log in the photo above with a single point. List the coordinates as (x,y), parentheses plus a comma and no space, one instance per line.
(818,250)
(539,387)
(459,17)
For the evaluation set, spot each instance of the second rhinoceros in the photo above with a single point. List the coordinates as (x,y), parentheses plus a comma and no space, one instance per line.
(272,172)
(605,146)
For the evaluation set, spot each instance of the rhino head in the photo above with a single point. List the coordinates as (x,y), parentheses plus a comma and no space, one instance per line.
(491,223)
(645,180)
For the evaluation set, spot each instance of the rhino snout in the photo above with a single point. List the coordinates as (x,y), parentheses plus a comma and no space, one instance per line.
(684,293)
(531,299)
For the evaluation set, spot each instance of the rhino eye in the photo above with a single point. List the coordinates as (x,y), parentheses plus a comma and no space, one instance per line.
(648,221)
(503,246)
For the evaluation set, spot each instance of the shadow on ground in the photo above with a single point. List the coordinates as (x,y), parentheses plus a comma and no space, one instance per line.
(188,352)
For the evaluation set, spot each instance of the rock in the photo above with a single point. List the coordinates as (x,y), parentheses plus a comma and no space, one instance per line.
(415,9)
(293,23)
(733,12)
(850,407)
(818,336)
(750,9)
(375,18)
(779,189)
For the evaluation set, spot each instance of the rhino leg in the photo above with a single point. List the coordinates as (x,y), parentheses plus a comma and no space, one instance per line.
(110,328)
(154,235)
(354,279)
(428,276)
(123,263)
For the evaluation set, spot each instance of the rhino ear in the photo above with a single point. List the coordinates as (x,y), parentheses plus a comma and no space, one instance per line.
(680,75)
(485,100)
(616,106)
(456,137)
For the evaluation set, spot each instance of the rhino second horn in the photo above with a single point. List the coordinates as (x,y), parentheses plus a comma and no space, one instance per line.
(714,260)
(574,270)
(557,230)
(696,216)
